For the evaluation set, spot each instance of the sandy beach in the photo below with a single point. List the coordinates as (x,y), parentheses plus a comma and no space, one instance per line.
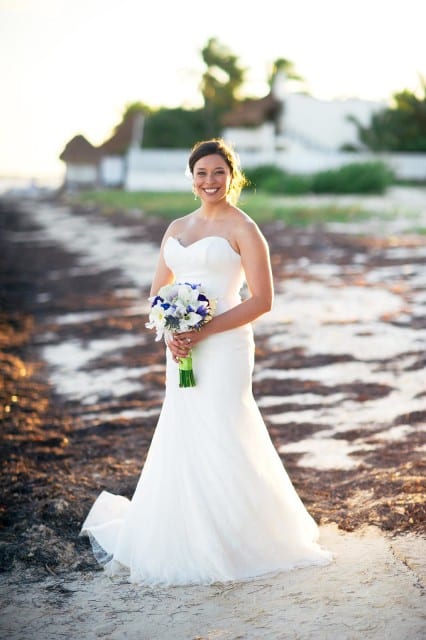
(375,589)
(339,379)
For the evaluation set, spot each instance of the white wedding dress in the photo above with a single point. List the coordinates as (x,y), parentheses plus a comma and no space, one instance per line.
(213,502)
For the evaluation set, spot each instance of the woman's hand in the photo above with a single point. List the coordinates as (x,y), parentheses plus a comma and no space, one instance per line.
(180,344)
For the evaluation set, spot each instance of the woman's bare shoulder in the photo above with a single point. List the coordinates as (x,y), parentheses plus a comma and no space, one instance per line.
(245,233)
(178,226)
(244,226)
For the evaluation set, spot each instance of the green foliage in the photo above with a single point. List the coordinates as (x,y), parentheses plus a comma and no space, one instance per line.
(260,206)
(297,184)
(272,179)
(259,176)
(283,64)
(401,127)
(274,183)
(136,107)
(181,128)
(287,183)
(288,67)
(220,87)
(357,177)
(174,128)
(163,205)
(349,146)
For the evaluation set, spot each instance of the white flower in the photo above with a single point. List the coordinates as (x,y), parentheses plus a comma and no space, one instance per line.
(187,295)
(193,318)
(157,320)
(169,291)
(180,308)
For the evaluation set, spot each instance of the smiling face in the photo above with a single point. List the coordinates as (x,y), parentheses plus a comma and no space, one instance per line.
(212,178)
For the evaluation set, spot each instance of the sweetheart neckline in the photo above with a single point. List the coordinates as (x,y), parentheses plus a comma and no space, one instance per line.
(188,246)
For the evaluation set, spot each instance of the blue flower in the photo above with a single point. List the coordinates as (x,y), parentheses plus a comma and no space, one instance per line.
(157,299)
(193,286)
(202,311)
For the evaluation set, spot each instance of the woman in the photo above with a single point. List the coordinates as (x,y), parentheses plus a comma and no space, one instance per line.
(213,502)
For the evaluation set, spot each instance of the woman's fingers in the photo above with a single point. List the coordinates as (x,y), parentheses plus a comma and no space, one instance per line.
(179,350)
(188,338)
(181,344)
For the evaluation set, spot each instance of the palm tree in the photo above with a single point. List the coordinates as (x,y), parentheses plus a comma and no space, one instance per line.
(220,83)
(287,66)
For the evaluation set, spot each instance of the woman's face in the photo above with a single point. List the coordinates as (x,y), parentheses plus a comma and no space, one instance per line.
(211,178)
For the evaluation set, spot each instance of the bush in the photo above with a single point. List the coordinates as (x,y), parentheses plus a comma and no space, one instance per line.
(297,184)
(258,176)
(357,177)
(272,179)
(274,183)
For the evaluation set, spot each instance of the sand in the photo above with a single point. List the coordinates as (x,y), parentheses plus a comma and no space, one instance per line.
(374,589)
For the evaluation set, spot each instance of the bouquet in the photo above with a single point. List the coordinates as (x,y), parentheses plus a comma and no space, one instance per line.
(176,308)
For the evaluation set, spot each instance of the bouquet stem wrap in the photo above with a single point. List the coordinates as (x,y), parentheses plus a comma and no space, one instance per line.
(186,374)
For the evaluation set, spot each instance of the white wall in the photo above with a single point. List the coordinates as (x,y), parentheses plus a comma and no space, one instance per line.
(315,124)
(164,170)
(251,138)
(157,170)
(324,123)
(405,165)
(410,166)
(81,174)
(112,171)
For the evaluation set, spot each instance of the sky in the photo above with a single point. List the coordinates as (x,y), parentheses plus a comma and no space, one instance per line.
(71,66)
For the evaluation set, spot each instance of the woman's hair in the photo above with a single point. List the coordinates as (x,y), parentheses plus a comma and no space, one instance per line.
(220,147)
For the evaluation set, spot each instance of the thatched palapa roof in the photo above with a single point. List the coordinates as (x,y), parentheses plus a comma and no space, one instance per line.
(80,151)
(124,135)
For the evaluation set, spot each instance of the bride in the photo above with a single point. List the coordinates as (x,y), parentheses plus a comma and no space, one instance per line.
(213,502)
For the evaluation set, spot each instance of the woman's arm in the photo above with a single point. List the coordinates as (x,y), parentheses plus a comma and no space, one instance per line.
(256,263)
(163,275)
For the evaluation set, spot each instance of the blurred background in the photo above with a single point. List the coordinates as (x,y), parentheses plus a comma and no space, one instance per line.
(299,79)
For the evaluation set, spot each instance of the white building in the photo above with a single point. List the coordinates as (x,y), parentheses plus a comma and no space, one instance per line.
(106,165)
(284,121)
(81,161)
(294,131)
